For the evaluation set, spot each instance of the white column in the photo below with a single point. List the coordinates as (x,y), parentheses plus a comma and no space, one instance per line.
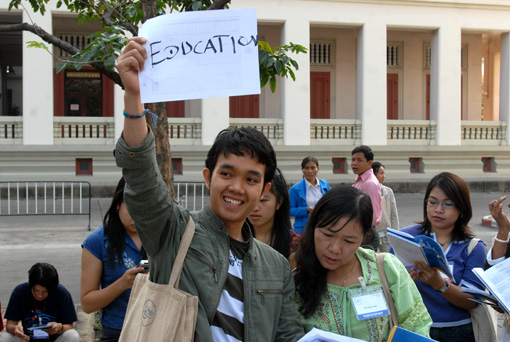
(37,85)
(445,85)
(295,96)
(118,107)
(215,117)
(371,83)
(504,81)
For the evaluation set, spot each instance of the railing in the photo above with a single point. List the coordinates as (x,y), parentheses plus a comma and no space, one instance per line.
(483,132)
(185,131)
(45,198)
(11,129)
(272,128)
(192,196)
(419,131)
(79,130)
(338,131)
(188,131)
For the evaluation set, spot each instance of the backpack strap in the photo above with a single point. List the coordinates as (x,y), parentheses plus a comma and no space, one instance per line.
(386,289)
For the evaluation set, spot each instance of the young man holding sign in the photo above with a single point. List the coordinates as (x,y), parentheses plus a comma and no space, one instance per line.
(243,286)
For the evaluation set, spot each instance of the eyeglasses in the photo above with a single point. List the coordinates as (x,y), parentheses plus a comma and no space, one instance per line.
(435,204)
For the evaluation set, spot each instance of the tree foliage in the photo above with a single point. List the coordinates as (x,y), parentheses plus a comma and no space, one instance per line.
(119,17)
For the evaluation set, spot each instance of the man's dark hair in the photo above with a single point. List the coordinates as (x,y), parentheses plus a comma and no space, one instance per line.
(43,274)
(243,141)
(367,152)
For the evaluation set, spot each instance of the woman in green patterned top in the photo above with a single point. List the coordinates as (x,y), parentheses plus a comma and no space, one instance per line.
(334,272)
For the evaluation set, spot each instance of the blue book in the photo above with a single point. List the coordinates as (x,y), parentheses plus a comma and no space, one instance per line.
(399,334)
(408,249)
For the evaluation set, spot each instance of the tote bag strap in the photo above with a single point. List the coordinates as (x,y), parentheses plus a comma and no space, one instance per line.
(181,253)
(386,289)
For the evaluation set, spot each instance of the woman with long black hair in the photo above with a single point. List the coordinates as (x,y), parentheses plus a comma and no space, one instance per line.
(109,258)
(334,271)
(271,218)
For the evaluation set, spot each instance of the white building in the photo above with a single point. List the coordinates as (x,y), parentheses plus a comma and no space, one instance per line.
(402,76)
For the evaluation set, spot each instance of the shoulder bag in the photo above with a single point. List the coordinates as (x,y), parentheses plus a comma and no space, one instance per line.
(162,312)
(386,290)
(482,316)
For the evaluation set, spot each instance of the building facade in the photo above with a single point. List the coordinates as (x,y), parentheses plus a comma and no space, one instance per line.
(425,83)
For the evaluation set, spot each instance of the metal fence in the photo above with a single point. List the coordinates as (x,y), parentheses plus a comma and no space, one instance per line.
(45,198)
(74,198)
(191,195)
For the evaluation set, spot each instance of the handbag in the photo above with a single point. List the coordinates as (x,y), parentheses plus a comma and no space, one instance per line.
(482,316)
(162,312)
(386,290)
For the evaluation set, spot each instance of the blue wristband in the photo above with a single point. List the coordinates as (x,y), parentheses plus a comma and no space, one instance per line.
(137,116)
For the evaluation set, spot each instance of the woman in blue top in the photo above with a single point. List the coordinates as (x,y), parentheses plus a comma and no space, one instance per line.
(447,211)
(109,258)
(305,194)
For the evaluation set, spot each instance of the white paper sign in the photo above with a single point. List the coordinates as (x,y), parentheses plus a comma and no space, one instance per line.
(200,54)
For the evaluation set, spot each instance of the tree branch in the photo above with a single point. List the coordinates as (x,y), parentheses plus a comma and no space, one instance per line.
(61,44)
(107,19)
(218,4)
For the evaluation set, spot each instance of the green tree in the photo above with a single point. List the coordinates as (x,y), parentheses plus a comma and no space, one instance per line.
(121,16)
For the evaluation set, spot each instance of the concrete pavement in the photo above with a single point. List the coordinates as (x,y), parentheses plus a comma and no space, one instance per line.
(56,239)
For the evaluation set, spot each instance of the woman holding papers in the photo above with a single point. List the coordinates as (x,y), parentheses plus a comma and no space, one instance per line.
(447,211)
(338,283)
(500,249)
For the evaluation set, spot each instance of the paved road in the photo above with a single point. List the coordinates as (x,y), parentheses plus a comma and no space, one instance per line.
(56,239)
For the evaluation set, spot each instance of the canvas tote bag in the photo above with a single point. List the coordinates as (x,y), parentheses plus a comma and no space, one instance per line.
(160,312)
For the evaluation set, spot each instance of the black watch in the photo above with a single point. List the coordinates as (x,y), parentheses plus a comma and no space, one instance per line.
(444,288)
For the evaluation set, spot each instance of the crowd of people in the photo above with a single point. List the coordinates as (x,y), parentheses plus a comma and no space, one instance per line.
(258,277)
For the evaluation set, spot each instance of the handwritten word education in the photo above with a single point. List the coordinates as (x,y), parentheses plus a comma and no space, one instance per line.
(222,43)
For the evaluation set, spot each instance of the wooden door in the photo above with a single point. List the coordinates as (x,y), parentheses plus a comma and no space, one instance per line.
(427,99)
(244,106)
(319,95)
(175,109)
(392,96)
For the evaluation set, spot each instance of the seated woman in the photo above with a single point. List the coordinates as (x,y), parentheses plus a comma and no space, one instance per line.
(306,193)
(41,308)
(109,258)
(446,214)
(271,218)
(330,266)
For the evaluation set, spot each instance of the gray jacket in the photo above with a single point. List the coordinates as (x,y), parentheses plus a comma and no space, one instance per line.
(269,314)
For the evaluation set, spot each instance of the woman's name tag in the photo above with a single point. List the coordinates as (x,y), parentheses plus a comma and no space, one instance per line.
(370,303)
